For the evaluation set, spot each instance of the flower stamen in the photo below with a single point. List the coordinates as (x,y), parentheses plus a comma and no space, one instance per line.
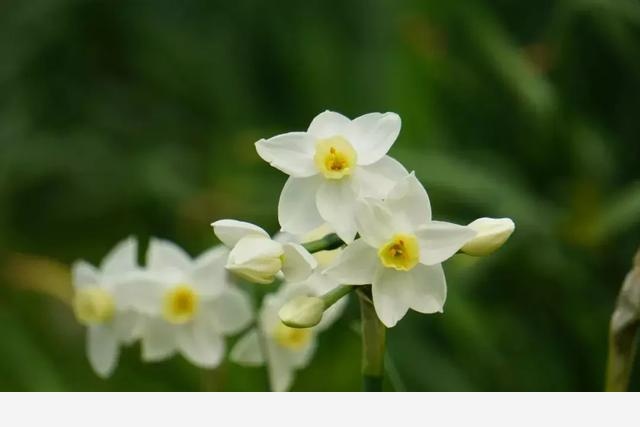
(292,338)
(93,306)
(402,252)
(335,158)
(180,304)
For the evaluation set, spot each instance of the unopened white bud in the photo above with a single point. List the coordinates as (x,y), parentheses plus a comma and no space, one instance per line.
(256,258)
(492,233)
(302,312)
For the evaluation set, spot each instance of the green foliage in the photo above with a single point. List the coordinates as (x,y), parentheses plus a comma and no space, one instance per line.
(136,117)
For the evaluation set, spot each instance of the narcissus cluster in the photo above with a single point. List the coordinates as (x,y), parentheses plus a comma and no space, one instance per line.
(351,217)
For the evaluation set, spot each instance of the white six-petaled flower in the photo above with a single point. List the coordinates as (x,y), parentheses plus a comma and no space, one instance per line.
(99,304)
(189,305)
(400,251)
(283,349)
(256,257)
(331,165)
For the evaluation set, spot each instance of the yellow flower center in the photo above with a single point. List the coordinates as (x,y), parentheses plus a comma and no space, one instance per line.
(180,304)
(292,338)
(335,158)
(401,252)
(93,306)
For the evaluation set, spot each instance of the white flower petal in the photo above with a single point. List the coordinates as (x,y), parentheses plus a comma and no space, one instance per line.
(84,275)
(284,237)
(377,179)
(328,124)
(332,314)
(248,351)
(158,340)
(320,283)
(439,240)
(375,222)
(140,291)
(230,312)
(291,153)
(102,349)
(336,203)
(356,264)
(122,258)
(301,358)
(209,275)
(163,254)
(280,367)
(409,204)
(127,326)
(428,289)
(200,345)
(297,211)
(298,263)
(230,231)
(375,133)
(391,290)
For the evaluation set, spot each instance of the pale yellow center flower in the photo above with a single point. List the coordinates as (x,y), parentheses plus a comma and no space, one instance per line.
(335,158)
(402,252)
(180,304)
(292,338)
(93,306)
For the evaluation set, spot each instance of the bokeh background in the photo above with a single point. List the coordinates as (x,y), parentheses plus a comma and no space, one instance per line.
(139,117)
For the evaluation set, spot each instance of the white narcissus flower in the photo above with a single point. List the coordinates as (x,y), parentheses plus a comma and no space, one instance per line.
(287,349)
(257,258)
(331,165)
(98,303)
(190,305)
(400,251)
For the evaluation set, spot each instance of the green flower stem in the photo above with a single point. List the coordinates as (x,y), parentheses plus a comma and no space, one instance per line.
(373,342)
(623,331)
(622,351)
(334,295)
(327,243)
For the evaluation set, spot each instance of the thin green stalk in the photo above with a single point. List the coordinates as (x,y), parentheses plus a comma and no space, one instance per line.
(336,294)
(327,243)
(623,331)
(373,343)
(622,352)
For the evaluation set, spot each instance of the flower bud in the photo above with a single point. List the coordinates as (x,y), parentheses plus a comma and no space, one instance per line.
(492,233)
(256,258)
(302,312)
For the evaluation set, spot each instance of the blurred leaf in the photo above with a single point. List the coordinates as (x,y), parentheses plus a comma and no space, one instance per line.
(39,274)
(618,215)
(508,61)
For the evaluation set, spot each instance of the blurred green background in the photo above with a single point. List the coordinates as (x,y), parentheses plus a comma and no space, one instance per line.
(139,117)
